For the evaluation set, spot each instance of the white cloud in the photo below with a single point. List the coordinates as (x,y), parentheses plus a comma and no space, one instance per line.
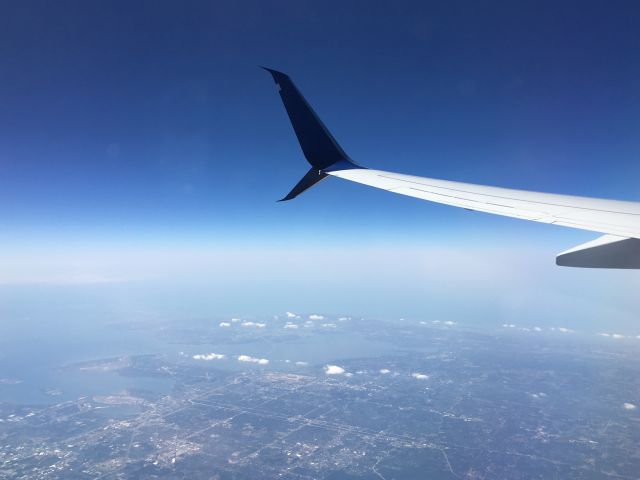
(225,324)
(329,325)
(209,356)
(508,325)
(333,370)
(537,329)
(629,406)
(344,319)
(385,371)
(449,322)
(315,316)
(235,320)
(291,326)
(254,324)
(617,336)
(302,364)
(292,315)
(420,376)
(435,322)
(565,330)
(247,358)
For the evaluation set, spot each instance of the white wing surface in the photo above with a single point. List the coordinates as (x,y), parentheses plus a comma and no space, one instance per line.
(599,215)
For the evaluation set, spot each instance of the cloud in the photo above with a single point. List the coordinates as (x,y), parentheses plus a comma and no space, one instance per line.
(449,322)
(629,406)
(291,325)
(315,316)
(565,330)
(235,320)
(508,325)
(302,364)
(537,329)
(292,315)
(254,324)
(333,370)
(329,325)
(617,336)
(249,359)
(225,324)
(344,319)
(385,371)
(420,376)
(209,356)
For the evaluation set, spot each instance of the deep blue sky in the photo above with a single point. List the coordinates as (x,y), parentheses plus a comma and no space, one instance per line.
(150,123)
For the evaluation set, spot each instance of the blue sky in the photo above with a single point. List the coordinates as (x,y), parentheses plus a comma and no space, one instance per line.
(128,128)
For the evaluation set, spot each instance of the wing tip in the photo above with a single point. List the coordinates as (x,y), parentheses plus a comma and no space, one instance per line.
(277,75)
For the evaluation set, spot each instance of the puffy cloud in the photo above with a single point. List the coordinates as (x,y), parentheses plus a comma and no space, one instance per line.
(385,371)
(333,370)
(225,324)
(565,330)
(420,376)
(629,406)
(209,356)
(249,359)
(302,364)
(315,316)
(617,336)
(292,315)
(508,325)
(254,324)
(292,326)
(537,329)
(449,322)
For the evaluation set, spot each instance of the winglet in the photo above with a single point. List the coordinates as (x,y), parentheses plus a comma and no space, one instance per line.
(318,145)
(312,177)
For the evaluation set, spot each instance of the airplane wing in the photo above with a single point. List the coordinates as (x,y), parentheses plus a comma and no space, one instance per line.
(619,221)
